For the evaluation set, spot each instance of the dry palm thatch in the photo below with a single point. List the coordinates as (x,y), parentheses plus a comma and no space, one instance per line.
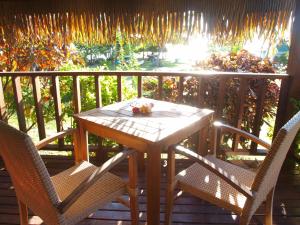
(157,21)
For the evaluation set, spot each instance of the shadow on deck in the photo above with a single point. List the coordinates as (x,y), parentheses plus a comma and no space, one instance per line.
(187,209)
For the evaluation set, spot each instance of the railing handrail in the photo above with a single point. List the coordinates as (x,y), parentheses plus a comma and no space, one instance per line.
(201,76)
(206,74)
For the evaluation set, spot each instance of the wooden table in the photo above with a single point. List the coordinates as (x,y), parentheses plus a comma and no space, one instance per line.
(166,125)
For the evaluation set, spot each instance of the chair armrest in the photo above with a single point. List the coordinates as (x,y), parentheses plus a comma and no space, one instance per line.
(88,182)
(242,133)
(218,171)
(48,140)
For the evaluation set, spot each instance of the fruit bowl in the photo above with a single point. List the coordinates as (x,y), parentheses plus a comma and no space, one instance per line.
(144,108)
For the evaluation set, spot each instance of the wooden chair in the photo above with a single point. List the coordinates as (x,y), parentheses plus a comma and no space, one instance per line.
(69,196)
(229,186)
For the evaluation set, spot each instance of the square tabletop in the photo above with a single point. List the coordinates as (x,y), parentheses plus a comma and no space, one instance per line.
(166,119)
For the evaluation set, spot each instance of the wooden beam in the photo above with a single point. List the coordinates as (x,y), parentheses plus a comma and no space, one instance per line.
(38,106)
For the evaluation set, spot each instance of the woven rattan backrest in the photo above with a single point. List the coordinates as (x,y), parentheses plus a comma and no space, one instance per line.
(268,172)
(29,175)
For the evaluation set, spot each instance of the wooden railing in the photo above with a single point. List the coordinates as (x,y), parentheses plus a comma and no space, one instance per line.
(202,78)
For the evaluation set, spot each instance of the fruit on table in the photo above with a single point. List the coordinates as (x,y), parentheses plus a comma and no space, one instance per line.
(144,108)
(135,109)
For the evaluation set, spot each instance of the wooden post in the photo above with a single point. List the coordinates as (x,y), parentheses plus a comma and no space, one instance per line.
(293,64)
(286,109)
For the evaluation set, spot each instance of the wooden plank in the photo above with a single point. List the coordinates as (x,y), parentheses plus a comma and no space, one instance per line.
(139,86)
(98,91)
(38,107)
(76,94)
(259,112)
(57,106)
(160,87)
(3,111)
(119,87)
(19,103)
(180,90)
(240,110)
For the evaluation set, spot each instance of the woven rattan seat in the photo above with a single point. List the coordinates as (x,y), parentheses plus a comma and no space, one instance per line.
(230,186)
(69,196)
(94,198)
(210,187)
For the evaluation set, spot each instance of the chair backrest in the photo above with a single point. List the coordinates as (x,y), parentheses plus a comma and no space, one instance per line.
(29,175)
(267,175)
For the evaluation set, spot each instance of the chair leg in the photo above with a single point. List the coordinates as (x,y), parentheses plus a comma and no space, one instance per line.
(23,213)
(133,190)
(171,186)
(269,208)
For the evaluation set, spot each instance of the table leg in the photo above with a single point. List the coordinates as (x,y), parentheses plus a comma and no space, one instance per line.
(83,149)
(153,186)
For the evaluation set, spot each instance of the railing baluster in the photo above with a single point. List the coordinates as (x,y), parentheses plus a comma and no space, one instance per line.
(38,106)
(119,82)
(180,89)
(57,107)
(259,112)
(19,103)
(160,87)
(240,110)
(3,111)
(98,91)
(76,94)
(221,98)
(139,86)
(101,154)
(200,92)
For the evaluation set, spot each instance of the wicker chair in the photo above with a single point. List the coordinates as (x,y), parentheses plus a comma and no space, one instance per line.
(69,196)
(229,186)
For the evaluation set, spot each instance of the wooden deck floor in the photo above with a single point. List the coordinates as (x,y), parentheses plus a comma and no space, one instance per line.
(187,210)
